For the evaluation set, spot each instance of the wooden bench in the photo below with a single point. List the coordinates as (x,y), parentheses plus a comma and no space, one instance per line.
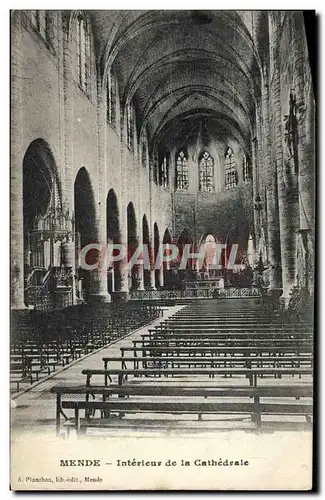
(299,345)
(229,329)
(255,409)
(20,372)
(231,322)
(250,373)
(214,350)
(157,334)
(215,361)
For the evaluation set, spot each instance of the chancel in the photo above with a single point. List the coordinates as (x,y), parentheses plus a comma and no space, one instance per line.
(165,129)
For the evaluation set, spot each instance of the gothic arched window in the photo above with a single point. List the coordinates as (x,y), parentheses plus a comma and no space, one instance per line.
(111,98)
(246,169)
(181,172)
(164,172)
(83,53)
(230,170)
(206,173)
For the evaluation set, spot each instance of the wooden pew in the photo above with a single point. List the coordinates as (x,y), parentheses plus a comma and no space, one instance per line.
(60,337)
(230,361)
(173,334)
(251,374)
(229,329)
(213,350)
(255,409)
(300,346)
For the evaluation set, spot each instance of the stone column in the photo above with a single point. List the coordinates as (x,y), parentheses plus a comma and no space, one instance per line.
(99,291)
(287,189)
(141,266)
(68,187)
(123,291)
(16,168)
(66,94)
(273,229)
(255,194)
(167,266)
(161,269)
(151,273)
(260,204)
(303,88)
(305,121)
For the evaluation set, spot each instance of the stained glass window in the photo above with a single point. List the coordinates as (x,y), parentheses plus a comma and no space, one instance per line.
(206,173)
(181,172)
(164,172)
(246,169)
(111,99)
(230,170)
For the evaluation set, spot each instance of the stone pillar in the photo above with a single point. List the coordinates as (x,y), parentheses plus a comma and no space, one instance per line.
(123,290)
(68,187)
(255,194)
(161,270)
(287,189)
(303,88)
(167,266)
(141,266)
(151,273)
(306,123)
(66,97)
(273,229)
(16,168)
(99,291)
(260,204)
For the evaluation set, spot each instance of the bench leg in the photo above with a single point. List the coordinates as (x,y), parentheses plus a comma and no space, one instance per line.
(76,415)
(256,417)
(58,415)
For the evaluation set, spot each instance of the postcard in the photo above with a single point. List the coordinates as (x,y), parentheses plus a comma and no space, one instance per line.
(162,249)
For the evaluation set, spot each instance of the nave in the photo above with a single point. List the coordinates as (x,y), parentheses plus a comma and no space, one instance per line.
(208,366)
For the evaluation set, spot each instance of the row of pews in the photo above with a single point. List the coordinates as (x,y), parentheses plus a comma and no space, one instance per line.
(211,359)
(43,342)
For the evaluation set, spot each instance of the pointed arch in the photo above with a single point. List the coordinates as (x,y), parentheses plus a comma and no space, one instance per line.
(181,171)
(206,172)
(41,211)
(85,228)
(230,169)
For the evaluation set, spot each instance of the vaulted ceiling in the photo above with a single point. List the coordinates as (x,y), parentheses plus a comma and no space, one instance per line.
(181,67)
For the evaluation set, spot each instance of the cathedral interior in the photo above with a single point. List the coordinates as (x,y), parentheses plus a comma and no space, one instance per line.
(158,127)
